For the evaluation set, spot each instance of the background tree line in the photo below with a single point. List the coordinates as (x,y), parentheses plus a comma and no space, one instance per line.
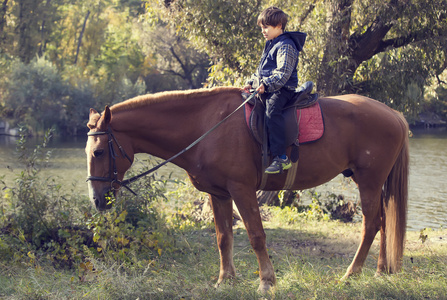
(58,58)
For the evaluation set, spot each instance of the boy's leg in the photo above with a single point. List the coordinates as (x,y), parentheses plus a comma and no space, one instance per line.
(275,103)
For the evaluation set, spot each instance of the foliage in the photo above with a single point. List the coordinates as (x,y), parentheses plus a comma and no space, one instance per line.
(39,223)
(60,58)
(40,95)
(438,102)
(310,205)
(179,64)
(226,30)
(389,51)
(189,208)
(318,209)
(36,93)
(37,218)
(98,53)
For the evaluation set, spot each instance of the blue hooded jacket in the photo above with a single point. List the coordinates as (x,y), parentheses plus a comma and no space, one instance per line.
(268,72)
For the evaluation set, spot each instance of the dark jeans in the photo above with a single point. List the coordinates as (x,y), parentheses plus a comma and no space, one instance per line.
(275,103)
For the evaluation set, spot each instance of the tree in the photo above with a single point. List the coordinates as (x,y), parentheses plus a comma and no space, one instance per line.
(360,30)
(36,94)
(346,39)
(176,60)
(225,30)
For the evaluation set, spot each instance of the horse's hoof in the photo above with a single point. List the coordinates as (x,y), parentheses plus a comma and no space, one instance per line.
(378,274)
(265,287)
(346,276)
(223,281)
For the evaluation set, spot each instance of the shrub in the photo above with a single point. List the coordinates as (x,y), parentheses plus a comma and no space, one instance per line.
(41,223)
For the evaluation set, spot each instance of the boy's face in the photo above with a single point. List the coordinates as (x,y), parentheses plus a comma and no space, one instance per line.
(269,32)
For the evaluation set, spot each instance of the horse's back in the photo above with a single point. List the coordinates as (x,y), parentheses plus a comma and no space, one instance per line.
(364,115)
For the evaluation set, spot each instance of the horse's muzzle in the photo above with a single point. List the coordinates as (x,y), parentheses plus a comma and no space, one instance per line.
(102,200)
(101,205)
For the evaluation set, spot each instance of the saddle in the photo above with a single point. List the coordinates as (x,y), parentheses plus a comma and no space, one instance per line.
(302,109)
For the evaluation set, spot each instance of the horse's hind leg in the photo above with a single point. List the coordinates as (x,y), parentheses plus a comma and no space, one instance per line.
(382,260)
(223,220)
(370,195)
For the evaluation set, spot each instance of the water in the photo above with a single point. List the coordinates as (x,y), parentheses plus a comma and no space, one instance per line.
(427,190)
(428,174)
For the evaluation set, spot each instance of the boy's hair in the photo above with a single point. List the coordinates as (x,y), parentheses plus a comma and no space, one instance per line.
(273,16)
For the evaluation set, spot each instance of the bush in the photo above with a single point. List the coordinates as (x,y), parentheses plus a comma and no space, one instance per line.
(40,223)
(41,96)
(35,93)
(37,218)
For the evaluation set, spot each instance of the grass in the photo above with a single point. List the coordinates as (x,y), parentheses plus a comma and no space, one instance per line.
(309,257)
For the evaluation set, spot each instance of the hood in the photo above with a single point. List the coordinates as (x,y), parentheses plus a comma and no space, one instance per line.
(299,38)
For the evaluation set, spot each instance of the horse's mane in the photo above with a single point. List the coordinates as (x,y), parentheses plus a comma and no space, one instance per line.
(145,100)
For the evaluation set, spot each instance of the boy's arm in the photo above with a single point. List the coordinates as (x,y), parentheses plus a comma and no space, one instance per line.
(286,59)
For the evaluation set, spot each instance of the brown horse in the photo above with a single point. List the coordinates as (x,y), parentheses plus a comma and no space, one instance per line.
(362,135)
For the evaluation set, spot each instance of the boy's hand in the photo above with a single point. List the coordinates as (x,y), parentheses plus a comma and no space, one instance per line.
(261,89)
(247,88)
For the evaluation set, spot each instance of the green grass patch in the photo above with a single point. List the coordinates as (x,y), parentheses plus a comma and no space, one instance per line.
(309,257)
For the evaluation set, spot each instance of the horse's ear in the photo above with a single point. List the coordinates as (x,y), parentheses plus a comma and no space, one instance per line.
(93,118)
(93,112)
(107,115)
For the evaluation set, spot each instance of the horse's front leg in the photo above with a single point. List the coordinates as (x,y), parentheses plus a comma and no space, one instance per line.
(223,220)
(248,207)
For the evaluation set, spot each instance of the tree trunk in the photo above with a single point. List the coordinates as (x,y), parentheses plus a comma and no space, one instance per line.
(332,75)
(80,37)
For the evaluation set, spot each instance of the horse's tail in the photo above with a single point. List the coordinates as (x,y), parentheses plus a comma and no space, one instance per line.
(395,196)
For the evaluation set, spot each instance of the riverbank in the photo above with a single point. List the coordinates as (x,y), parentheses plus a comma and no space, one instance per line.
(309,257)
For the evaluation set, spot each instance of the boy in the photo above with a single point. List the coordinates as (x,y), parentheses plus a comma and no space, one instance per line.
(276,79)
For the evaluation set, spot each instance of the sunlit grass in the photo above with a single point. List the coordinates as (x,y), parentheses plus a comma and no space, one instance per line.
(309,257)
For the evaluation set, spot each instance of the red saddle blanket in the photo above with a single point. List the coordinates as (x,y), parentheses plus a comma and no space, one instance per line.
(309,119)
(310,122)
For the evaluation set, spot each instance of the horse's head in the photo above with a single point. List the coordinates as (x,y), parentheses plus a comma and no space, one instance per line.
(109,156)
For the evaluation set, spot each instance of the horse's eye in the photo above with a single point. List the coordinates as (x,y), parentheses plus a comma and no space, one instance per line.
(98,153)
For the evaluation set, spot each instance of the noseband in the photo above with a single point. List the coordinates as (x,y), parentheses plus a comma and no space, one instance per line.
(113,173)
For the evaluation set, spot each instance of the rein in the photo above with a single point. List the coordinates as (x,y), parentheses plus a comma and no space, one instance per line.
(113,175)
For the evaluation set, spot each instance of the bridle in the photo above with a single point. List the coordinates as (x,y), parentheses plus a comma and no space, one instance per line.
(113,173)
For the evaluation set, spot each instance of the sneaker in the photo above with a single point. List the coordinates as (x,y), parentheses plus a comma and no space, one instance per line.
(278,165)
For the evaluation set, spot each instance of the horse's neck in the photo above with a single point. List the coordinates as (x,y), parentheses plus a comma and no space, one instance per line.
(163,129)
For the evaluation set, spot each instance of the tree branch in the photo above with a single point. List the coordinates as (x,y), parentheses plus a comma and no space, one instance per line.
(172,72)
(412,37)
(306,13)
(177,58)
(365,46)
